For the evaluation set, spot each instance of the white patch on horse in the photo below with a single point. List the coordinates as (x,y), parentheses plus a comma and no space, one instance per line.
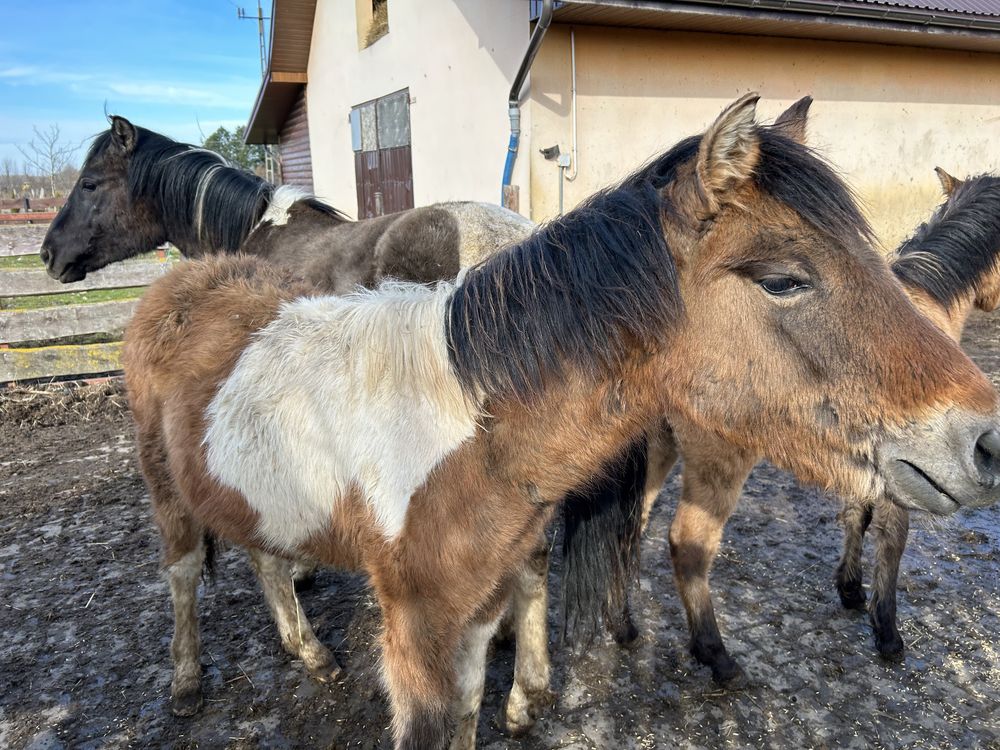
(281,203)
(339,393)
(482,232)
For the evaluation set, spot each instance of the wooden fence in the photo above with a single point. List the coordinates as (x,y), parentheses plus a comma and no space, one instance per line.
(49,329)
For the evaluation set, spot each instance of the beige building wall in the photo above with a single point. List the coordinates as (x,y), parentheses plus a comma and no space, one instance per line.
(885,116)
(457,57)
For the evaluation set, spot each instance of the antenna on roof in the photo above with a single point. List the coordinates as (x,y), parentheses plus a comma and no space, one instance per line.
(260,18)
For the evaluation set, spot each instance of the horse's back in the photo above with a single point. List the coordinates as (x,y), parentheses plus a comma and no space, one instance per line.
(485,228)
(192,324)
(435,242)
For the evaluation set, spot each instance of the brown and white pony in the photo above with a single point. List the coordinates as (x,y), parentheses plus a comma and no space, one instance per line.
(948,267)
(138,189)
(426,435)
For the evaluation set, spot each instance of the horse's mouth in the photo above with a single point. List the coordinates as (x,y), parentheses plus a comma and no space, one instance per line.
(69,274)
(912,487)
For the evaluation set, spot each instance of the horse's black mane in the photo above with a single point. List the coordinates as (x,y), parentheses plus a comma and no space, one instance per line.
(204,201)
(949,253)
(586,287)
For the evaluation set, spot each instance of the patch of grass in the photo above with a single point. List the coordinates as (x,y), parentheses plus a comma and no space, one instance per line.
(70,298)
(19,262)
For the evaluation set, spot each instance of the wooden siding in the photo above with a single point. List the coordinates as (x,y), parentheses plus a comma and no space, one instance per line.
(296,157)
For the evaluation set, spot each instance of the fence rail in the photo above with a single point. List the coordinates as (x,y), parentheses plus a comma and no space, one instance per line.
(36,281)
(46,336)
(30,217)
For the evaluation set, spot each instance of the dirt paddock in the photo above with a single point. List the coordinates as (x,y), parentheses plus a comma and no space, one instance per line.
(85,621)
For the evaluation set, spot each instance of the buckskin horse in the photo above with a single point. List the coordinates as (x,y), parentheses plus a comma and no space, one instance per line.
(947,268)
(426,435)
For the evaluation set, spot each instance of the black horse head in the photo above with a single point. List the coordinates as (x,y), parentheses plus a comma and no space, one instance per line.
(139,189)
(101,221)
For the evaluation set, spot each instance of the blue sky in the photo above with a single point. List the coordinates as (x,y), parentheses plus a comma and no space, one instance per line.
(166,65)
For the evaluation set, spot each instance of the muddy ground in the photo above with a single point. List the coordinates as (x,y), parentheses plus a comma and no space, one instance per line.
(85,622)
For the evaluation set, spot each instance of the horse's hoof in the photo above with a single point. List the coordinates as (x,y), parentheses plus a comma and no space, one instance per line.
(327,672)
(728,672)
(852,596)
(187,703)
(891,649)
(519,711)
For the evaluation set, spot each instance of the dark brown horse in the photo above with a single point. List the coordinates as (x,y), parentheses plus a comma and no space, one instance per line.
(138,189)
(425,435)
(948,267)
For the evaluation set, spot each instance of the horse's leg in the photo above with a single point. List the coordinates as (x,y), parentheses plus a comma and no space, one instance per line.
(855,519)
(183,556)
(892,524)
(275,575)
(185,648)
(470,671)
(714,475)
(662,457)
(529,606)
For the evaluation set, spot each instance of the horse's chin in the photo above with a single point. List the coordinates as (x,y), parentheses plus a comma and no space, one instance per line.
(910,487)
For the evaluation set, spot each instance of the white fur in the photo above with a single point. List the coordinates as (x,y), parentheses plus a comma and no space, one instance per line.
(339,393)
(199,195)
(483,230)
(281,202)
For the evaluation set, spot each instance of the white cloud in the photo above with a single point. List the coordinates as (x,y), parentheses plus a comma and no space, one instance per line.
(227,93)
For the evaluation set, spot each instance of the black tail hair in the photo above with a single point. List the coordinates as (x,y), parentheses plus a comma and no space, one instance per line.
(208,567)
(603,528)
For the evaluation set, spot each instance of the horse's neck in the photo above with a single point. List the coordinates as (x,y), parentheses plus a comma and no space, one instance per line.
(575,427)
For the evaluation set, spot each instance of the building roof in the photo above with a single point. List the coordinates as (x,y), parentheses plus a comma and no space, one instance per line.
(287,67)
(977,7)
(950,24)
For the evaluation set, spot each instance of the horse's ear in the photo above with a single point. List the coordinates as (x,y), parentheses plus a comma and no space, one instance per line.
(123,134)
(728,153)
(948,183)
(792,122)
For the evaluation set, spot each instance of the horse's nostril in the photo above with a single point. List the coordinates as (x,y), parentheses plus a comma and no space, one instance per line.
(45,255)
(988,457)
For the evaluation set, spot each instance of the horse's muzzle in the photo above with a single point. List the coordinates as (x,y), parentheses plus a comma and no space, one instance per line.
(947,463)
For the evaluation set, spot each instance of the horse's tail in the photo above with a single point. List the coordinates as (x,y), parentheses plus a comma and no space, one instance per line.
(208,567)
(603,528)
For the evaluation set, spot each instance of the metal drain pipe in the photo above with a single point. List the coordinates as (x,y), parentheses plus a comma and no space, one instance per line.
(514,99)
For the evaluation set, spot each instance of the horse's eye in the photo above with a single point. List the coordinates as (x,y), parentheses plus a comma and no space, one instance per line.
(88,185)
(780,286)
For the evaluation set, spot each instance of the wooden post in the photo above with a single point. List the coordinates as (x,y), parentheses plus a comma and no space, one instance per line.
(511,198)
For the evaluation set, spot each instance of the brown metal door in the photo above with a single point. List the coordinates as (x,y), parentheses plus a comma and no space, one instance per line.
(368,178)
(396,179)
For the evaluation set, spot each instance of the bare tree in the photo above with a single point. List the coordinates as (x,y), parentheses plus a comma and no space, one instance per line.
(8,178)
(47,154)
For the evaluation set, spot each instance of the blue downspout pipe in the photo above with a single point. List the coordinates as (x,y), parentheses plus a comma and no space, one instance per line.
(514,99)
